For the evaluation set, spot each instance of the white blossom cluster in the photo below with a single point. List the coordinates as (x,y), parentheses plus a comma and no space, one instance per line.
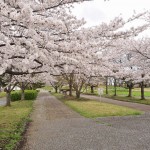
(41,37)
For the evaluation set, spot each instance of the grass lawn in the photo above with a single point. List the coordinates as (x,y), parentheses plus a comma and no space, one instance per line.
(2,94)
(135,92)
(48,88)
(92,109)
(12,123)
(122,94)
(130,99)
(121,91)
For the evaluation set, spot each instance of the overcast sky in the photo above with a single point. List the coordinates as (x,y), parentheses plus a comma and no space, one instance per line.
(98,11)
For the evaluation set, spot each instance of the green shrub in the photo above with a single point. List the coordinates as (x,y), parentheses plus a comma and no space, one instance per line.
(15,95)
(29,95)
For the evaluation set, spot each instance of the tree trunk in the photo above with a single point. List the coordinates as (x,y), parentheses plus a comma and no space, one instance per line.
(22,94)
(70,89)
(8,98)
(130,91)
(106,85)
(78,94)
(142,91)
(56,89)
(92,89)
(22,86)
(115,86)
(71,84)
(78,88)
(130,86)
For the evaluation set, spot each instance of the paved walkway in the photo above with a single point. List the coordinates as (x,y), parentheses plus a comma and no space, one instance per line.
(141,107)
(57,127)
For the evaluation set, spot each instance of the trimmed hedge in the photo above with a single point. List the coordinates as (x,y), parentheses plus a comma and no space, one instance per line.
(29,95)
(15,96)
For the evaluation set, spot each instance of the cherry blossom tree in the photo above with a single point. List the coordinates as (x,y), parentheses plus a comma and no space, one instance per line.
(30,31)
(10,84)
(41,37)
(57,83)
(140,51)
(23,81)
(131,59)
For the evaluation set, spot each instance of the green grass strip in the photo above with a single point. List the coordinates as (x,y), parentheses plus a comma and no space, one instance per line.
(12,123)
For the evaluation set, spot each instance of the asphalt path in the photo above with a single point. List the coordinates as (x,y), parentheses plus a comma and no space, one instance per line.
(57,127)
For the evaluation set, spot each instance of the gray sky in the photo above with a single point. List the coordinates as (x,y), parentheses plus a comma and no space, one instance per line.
(98,11)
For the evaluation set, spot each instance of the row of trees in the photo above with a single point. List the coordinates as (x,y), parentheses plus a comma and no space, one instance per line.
(40,40)
(134,63)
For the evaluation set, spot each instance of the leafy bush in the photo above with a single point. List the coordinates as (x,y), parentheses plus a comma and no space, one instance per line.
(29,95)
(15,95)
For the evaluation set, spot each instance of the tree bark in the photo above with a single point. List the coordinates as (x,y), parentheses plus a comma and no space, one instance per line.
(8,98)
(142,91)
(78,87)
(130,91)
(22,86)
(78,90)
(78,94)
(70,89)
(22,94)
(106,85)
(56,89)
(71,84)
(130,86)
(115,86)
(92,89)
